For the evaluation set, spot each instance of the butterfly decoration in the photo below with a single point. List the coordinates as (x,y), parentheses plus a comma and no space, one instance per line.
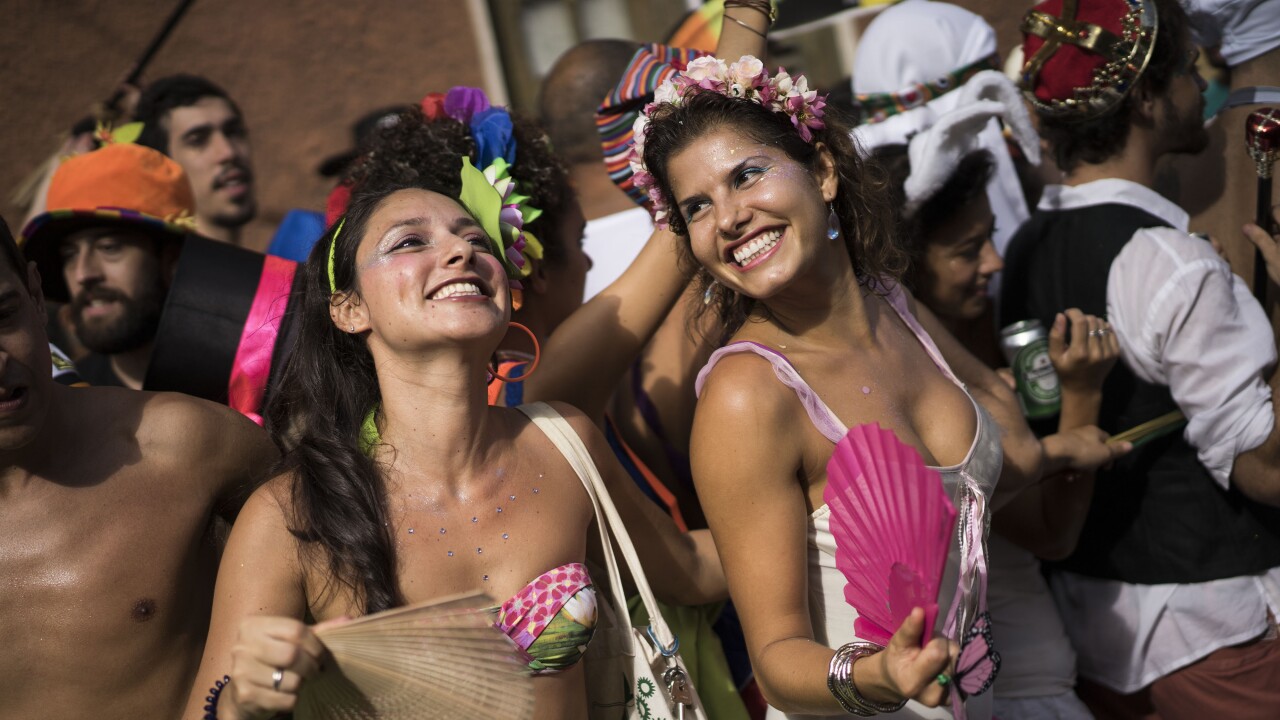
(979,663)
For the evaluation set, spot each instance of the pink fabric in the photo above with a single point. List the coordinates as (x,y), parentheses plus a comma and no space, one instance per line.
(252,365)
(527,614)
(970,598)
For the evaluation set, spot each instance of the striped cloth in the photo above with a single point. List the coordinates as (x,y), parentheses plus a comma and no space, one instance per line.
(649,68)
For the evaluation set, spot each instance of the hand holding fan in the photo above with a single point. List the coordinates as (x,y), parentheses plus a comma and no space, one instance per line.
(441,659)
(892,522)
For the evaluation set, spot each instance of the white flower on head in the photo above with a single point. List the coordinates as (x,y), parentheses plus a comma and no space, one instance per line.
(666,93)
(745,71)
(705,67)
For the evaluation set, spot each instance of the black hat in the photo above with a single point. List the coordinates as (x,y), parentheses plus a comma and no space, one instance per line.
(361,133)
(226,325)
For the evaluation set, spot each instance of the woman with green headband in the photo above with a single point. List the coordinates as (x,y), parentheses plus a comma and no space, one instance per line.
(400,482)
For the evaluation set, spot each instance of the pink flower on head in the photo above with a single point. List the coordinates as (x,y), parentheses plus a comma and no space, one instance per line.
(746,78)
(707,72)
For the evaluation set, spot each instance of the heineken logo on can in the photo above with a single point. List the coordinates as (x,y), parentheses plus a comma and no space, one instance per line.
(1026,346)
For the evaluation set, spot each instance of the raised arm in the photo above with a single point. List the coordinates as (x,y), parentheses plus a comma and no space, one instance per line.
(747,471)
(743,33)
(257,628)
(589,353)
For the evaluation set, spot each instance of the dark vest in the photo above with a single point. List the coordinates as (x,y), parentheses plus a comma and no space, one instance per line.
(1157,516)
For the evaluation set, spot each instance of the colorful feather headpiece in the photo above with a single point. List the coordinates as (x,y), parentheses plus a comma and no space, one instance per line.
(501,210)
(745,78)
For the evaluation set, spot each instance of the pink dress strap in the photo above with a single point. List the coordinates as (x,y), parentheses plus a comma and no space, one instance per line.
(819,414)
(897,300)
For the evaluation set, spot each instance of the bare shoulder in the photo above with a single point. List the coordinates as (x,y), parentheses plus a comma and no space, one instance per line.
(743,387)
(174,417)
(267,509)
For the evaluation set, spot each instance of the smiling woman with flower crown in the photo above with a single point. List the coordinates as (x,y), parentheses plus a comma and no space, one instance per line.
(401,484)
(792,233)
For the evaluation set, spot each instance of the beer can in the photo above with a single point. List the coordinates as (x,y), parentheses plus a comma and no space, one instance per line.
(1026,347)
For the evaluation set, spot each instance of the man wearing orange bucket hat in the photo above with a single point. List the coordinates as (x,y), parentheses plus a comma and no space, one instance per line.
(1171,594)
(107,245)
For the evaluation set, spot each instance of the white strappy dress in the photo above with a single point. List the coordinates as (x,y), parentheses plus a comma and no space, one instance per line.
(969,483)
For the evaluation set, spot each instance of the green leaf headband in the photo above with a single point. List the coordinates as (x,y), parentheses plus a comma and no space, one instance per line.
(333,286)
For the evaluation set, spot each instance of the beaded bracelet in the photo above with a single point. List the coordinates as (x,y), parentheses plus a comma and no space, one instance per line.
(211,702)
(840,681)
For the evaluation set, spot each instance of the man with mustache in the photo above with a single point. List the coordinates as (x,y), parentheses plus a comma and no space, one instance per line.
(196,123)
(108,244)
(113,505)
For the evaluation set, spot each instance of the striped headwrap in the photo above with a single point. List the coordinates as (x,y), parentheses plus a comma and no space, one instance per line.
(650,67)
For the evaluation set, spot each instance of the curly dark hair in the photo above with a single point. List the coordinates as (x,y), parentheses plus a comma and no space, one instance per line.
(328,386)
(968,181)
(1075,142)
(416,149)
(862,198)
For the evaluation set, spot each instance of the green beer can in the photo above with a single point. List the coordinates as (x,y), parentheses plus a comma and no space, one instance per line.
(1026,347)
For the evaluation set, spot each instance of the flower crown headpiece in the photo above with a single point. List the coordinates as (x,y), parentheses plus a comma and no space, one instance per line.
(745,78)
(489,195)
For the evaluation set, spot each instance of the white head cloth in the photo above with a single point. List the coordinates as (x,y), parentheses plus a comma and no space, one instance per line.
(936,151)
(1244,29)
(919,41)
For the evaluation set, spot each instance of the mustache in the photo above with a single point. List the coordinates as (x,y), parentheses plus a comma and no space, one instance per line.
(235,170)
(88,295)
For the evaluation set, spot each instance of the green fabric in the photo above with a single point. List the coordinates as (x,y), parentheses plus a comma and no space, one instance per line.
(561,644)
(702,655)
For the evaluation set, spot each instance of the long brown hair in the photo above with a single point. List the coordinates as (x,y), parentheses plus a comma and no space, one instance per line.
(862,195)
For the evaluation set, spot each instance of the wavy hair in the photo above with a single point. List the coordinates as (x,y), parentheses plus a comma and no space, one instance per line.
(967,182)
(861,204)
(328,385)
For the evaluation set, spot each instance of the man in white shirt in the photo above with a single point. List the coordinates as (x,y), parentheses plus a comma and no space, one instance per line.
(1171,595)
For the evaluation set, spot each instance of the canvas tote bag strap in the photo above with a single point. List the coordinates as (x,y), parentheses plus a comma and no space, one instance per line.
(566,439)
(547,420)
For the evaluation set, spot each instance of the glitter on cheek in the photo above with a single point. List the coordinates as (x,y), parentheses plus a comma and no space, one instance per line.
(499,509)
(479,550)
(441,531)
(505,536)
(536,491)
(410,531)
(486,578)
(475,519)
(450,553)
(511,497)
(866,390)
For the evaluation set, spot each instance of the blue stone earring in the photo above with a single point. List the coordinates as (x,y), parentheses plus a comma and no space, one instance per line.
(833,223)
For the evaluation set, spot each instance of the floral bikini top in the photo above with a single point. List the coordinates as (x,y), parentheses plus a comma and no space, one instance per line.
(552,619)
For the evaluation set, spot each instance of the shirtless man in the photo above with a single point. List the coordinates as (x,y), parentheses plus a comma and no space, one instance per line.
(109,502)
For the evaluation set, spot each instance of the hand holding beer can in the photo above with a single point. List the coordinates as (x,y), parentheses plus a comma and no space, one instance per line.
(1026,347)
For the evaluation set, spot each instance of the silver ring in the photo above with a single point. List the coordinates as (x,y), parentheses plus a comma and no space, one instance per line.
(1095,333)
(277,677)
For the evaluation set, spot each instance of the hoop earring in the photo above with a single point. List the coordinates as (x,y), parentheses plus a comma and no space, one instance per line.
(537,356)
(833,223)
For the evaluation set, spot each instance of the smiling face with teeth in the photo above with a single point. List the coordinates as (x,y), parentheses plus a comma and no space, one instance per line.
(24,357)
(757,219)
(426,273)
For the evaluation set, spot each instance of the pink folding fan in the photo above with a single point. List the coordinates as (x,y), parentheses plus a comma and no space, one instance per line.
(892,522)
